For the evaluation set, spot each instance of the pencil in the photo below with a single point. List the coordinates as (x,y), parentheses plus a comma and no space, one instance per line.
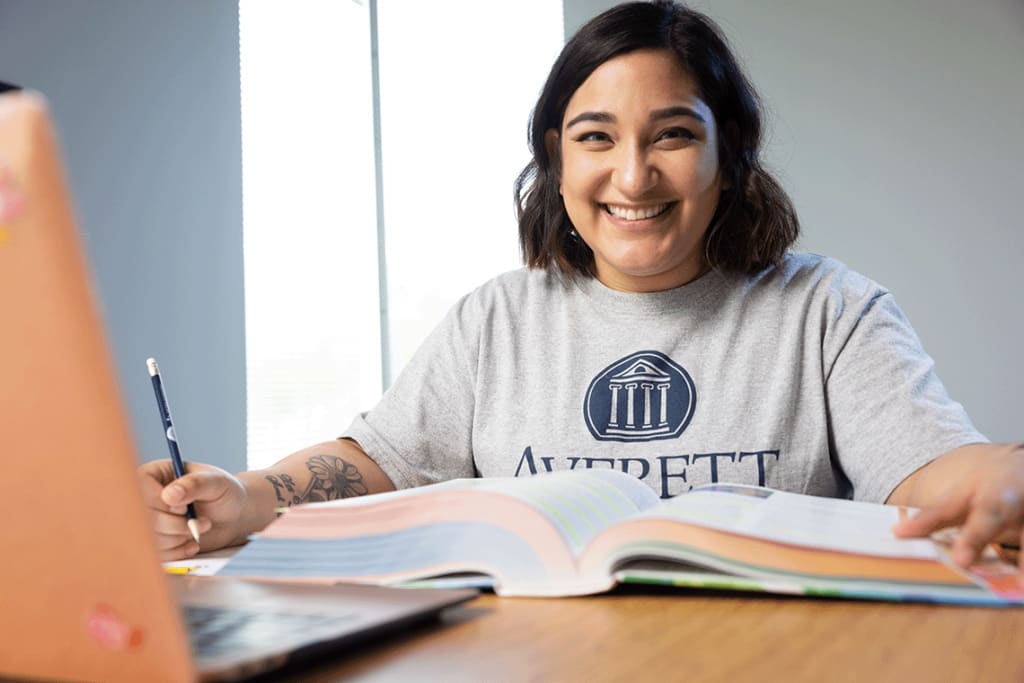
(172,440)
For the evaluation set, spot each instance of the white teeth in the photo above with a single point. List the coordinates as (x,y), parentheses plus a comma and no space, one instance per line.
(635,214)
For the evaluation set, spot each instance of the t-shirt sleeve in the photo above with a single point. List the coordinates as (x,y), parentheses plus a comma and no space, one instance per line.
(889,414)
(421,430)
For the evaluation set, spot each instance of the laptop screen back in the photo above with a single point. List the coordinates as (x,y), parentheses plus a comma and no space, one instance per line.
(81,593)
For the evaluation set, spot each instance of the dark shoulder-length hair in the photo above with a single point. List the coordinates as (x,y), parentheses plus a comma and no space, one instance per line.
(755,222)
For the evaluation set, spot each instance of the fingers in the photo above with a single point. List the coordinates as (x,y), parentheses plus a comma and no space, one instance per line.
(199,486)
(218,497)
(179,552)
(171,526)
(950,512)
(153,476)
(177,496)
(160,471)
(172,534)
(984,518)
(988,504)
(992,512)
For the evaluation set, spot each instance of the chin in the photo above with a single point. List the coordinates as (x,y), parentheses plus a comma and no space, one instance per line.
(646,269)
(641,272)
(640,265)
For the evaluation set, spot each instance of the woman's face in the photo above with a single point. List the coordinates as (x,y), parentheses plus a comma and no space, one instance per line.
(640,176)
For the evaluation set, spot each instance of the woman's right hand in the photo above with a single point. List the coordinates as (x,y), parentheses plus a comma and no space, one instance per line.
(219,498)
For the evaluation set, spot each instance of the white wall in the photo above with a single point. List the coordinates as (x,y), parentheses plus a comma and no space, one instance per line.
(897,130)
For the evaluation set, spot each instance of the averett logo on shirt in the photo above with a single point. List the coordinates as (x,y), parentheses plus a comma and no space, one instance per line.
(645,396)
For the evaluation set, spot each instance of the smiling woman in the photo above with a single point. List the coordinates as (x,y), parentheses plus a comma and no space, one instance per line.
(635,119)
(662,327)
(640,176)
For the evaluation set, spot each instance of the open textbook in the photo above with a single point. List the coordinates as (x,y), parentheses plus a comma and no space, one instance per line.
(584,531)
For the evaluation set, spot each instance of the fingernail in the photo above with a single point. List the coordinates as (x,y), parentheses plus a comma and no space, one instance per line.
(174,493)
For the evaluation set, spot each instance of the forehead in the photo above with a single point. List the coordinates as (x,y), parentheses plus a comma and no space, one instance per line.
(643,79)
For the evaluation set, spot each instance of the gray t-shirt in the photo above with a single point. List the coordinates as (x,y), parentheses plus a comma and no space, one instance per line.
(806,377)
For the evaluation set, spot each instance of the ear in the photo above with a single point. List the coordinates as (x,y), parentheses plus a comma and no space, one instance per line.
(551,143)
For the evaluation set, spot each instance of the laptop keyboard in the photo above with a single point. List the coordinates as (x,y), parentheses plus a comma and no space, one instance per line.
(216,631)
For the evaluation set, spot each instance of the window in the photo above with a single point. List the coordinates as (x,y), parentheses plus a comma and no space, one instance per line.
(455,95)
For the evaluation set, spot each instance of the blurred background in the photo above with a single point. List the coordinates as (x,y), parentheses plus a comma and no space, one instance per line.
(282,246)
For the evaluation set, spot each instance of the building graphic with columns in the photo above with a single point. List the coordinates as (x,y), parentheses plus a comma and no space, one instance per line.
(641,397)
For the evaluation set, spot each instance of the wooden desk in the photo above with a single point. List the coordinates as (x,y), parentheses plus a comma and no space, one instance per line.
(664,635)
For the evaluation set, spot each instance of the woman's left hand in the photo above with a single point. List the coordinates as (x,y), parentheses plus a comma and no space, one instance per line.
(979,488)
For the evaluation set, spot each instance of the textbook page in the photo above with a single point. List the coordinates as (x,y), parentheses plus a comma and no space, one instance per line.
(826,523)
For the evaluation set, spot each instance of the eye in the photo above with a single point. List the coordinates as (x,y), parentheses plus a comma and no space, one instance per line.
(593,136)
(677,134)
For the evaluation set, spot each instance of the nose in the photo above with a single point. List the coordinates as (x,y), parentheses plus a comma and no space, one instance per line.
(634,174)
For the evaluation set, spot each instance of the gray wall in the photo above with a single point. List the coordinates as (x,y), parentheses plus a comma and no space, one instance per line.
(146,98)
(896,128)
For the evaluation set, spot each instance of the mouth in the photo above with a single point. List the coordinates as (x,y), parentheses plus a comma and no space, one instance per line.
(637,213)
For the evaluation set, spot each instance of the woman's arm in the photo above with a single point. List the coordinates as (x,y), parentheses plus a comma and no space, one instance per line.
(231,507)
(327,471)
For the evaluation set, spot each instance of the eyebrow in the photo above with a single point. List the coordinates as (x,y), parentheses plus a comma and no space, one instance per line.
(656,115)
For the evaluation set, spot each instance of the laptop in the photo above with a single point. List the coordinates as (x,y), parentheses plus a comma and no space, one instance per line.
(82,593)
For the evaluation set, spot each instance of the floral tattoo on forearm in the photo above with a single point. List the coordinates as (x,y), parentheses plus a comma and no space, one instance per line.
(332,478)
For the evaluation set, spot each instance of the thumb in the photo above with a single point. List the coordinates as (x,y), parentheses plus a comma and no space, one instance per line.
(193,487)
